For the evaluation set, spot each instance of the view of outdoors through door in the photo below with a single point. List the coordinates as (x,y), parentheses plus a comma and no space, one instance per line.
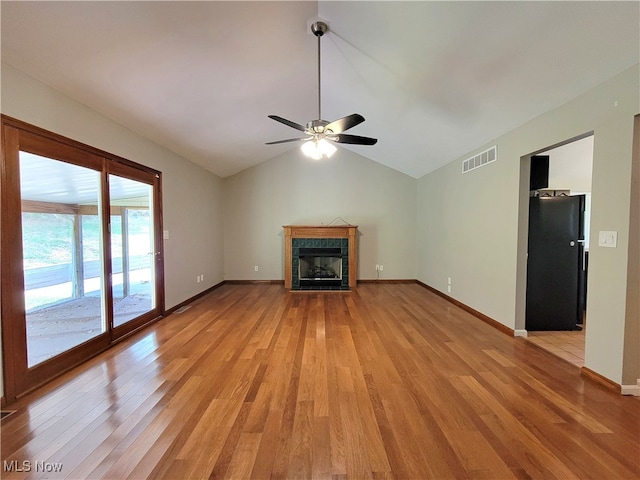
(62,249)
(62,252)
(132,249)
(81,253)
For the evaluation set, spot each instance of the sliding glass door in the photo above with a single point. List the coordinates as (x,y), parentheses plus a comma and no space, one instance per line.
(81,253)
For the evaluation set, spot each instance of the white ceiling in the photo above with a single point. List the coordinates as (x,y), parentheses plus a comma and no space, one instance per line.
(47,180)
(434,80)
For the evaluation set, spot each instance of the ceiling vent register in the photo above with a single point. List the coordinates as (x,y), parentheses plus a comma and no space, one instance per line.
(480,160)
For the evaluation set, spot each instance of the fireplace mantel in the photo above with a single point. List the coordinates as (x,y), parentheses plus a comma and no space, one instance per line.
(320,231)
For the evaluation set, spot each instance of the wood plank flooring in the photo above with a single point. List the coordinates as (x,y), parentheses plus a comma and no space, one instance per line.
(387,381)
(568,345)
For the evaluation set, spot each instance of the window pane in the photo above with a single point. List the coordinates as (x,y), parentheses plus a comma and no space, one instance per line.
(61,241)
(132,249)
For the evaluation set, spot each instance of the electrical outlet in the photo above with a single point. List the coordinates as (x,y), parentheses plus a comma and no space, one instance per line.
(377,268)
(449,288)
(255,268)
(381,267)
(202,277)
(197,278)
(448,280)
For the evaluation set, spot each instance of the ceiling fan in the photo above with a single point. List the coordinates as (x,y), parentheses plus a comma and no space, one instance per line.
(319,131)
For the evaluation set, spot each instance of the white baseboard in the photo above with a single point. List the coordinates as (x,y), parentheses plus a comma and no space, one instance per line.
(520,333)
(631,389)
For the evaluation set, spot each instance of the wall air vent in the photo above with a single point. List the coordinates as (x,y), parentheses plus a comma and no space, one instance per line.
(480,160)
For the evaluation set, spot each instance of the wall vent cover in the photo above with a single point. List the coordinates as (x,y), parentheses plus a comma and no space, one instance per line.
(480,160)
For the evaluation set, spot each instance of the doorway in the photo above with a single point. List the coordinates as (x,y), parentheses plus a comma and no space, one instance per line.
(81,253)
(569,175)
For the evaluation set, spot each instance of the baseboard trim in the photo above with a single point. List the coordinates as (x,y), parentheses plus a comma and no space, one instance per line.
(520,333)
(633,390)
(3,401)
(485,318)
(601,379)
(193,299)
(380,280)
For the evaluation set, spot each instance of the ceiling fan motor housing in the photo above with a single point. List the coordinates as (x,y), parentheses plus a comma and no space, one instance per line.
(317,126)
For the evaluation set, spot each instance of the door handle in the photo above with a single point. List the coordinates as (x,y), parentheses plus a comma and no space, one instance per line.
(572,243)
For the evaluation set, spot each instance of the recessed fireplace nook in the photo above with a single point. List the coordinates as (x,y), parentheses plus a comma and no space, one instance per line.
(320,257)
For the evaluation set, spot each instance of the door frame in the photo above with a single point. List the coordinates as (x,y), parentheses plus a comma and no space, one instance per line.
(17,135)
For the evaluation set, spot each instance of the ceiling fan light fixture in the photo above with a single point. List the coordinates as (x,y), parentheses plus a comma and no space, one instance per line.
(318,149)
(319,131)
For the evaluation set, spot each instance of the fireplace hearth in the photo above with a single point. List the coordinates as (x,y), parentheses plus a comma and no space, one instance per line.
(320,257)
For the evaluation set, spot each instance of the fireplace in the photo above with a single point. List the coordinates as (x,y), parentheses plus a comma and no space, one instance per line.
(320,257)
(319,267)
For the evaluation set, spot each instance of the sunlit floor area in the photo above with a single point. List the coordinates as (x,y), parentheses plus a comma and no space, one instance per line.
(568,345)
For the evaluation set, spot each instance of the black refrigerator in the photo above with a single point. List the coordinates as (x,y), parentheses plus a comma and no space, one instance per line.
(555,263)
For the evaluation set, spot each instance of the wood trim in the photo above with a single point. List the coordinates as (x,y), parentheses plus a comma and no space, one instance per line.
(11,273)
(49,207)
(388,281)
(253,282)
(49,135)
(312,231)
(494,323)
(601,379)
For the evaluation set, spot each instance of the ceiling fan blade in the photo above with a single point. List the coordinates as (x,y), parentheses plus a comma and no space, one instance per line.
(353,139)
(345,123)
(288,122)
(288,140)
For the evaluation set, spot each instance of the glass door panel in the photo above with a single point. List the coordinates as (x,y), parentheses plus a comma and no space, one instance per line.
(132,249)
(62,248)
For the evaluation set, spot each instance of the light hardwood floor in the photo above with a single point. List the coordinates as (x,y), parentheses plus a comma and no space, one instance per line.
(568,345)
(387,381)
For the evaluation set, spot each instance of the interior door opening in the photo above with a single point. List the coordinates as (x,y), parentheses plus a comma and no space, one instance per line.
(569,178)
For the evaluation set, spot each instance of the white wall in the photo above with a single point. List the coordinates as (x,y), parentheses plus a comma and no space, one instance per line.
(293,189)
(469,223)
(192,196)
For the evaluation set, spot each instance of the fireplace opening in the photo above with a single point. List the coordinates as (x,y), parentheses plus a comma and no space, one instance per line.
(320,267)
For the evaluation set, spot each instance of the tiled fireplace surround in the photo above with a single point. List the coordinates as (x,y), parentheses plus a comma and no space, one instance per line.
(320,236)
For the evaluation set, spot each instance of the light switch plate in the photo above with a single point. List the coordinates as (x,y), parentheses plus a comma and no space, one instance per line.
(608,239)
(165,234)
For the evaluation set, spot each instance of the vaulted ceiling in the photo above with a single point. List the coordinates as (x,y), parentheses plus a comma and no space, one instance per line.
(434,80)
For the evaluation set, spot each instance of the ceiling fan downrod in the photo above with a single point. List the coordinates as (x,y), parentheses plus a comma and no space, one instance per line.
(319,29)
